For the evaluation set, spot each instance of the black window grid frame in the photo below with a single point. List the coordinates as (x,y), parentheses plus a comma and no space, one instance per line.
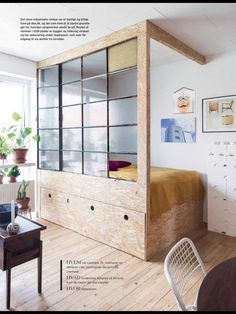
(82,104)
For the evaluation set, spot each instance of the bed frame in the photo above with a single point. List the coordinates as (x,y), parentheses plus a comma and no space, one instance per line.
(117,212)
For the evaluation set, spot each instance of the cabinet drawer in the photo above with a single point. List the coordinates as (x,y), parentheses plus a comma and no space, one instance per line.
(116,226)
(53,205)
(231,226)
(217,219)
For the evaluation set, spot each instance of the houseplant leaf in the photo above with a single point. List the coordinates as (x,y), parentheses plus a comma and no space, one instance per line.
(25,132)
(16,116)
(36,138)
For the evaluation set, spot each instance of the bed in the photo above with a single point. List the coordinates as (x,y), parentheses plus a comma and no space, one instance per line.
(169,187)
(176,204)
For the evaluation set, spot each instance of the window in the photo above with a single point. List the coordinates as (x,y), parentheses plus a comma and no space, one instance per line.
(89,112)
(17,95)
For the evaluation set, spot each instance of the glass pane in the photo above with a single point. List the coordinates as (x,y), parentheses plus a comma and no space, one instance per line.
(49,139)
(72,162)
(48,97)
(48,118)
(94,64)
(49,160)
(95,164)
(123,84)
(95,89)
(123,111)
(72,139)
(71,94)
(95,114)
(95,139)
(123,55)
(124,157)
(123,167)
(71,116)
(71,71)
(123,139)
(48,77)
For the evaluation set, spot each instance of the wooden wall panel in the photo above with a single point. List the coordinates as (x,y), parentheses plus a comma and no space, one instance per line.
(172,225)
(104,223)
(122,56)
(110,191)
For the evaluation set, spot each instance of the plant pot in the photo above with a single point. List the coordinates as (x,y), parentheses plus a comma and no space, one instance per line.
(3,156)
(1,179)
(20,155)
(24,203)
(12,179)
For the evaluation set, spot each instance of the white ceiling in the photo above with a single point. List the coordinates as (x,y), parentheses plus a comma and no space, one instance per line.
(208,28)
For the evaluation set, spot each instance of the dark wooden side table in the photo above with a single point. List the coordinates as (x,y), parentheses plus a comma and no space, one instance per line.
(20,248)
(218,289)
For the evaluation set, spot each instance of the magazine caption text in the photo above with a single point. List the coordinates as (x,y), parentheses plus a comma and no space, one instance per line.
(53,28)
(89,275)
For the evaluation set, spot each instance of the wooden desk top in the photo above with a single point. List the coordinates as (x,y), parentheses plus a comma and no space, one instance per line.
(27,226)
(217,291)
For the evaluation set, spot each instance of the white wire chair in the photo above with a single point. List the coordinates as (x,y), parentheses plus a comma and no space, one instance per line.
(180,263)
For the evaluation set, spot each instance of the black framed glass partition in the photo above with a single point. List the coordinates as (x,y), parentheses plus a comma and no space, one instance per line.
(87,112)
(48,118)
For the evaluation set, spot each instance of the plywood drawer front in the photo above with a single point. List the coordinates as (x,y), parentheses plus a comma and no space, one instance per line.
(115,192)
(53,205)
(121,228)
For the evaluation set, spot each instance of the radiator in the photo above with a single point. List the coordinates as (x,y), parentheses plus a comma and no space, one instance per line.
(8,192)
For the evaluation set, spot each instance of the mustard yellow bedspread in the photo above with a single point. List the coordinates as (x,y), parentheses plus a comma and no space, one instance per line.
(169,187)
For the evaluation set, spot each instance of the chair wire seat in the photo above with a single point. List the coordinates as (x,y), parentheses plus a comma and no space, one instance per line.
(179,265)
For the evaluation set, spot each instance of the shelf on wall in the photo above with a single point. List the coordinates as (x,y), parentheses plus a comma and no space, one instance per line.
(8,165)
(15,183)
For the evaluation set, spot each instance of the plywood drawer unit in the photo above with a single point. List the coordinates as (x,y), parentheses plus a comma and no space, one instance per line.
(116,226)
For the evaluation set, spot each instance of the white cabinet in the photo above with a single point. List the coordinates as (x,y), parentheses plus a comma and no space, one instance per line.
(222,188)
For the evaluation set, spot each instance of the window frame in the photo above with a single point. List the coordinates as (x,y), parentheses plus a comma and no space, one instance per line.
(84,103)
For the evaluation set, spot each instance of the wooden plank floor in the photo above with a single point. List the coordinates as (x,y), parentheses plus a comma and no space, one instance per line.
(143,287)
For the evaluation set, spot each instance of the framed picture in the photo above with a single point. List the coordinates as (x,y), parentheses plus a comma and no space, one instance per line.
(184,100)
(181,130)
(219,114)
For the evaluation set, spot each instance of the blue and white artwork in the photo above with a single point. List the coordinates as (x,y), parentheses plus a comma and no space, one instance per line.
(182,130)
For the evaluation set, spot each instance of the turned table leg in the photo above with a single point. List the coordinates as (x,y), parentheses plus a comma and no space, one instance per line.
(8,281)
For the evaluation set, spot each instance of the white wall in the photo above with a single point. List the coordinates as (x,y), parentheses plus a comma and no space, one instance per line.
(17,66)
(216,78)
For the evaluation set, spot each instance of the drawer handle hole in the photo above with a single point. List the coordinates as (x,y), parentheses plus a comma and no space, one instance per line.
(68,200)
(92,207)
(126,217)
(49,195)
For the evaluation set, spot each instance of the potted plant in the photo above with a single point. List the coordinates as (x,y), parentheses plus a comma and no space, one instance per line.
(13,173)
(21,197)
(20,137)
(3,173)
(4,146)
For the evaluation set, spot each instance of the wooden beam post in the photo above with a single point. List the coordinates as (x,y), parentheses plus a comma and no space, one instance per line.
(155,32)
(95,45)
(143,111)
